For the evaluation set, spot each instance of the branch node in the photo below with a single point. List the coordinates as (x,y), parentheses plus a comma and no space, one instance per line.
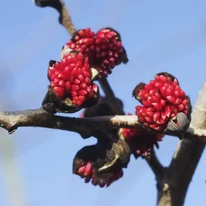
(11,130)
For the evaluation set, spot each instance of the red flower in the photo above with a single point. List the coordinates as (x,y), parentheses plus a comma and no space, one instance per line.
(140,141)
(104,48)
(70,79)
(83,41)
(162,100)
(90,159)
(109,50)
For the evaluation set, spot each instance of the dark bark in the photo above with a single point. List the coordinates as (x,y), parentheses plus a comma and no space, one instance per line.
(173,185)
(84,126)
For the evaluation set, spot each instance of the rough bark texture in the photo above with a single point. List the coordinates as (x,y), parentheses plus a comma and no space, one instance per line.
(11,120)
(172,186)
(87,126)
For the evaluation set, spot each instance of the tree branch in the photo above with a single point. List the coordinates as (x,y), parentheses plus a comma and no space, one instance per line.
(155,165)
(111,97)
(84,126)
(173,186)
(64,16)
(40,118)
(66,20)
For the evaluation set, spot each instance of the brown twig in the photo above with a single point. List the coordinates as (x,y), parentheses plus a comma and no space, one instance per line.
(155,165)
(84,126)
(40,118)
(111,96)
(64,16)
(66,20)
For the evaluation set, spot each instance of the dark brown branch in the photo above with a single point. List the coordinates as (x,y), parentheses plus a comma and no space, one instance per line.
(111,97)
(39,118)
(84,126)
(152,161)
(155,165)
(172,188)
(66,20)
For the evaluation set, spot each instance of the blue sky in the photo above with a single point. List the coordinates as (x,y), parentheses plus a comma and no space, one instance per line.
(158,35)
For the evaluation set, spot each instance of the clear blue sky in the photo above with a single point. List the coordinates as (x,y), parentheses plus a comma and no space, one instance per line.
(158,35)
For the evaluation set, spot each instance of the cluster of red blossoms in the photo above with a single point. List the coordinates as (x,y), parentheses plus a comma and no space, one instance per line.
(90,174)
(162,100)
(88,161)
(72,78)
(86,57)
(141,142)
(104,49)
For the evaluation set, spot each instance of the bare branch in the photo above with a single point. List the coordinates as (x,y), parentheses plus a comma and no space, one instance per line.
(66,20)
(199,111)
(174,185)
(64,16)
(152,160)
(195,134)
(111,97)
(155,165)
(84,126)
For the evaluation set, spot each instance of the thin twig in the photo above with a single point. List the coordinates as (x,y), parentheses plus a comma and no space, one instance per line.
(155,165)
(66,20)
(111,96)
(64,16)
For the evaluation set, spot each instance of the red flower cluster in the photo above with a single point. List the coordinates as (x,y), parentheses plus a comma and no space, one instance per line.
(141,142)
(83,41)
(162,99)
(90,173)
(88,161)
(104,48)
(71,79)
